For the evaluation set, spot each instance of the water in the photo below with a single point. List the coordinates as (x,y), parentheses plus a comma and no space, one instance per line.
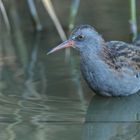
(41,96)
(44,97)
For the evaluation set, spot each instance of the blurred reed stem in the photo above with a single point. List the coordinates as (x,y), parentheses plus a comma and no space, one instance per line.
(5,17)
(73,13)
(133,19)
(50,9)
(17,34)
(34,14)
(30,89)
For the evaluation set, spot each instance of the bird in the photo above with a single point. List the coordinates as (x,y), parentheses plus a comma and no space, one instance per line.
(110,68)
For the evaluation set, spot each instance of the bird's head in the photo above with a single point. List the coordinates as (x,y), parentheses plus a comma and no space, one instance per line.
(81,38)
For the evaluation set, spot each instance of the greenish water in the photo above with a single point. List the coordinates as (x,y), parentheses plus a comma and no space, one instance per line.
(41,96)
(44,97)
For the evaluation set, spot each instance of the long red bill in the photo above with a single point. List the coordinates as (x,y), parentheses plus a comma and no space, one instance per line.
(66,44)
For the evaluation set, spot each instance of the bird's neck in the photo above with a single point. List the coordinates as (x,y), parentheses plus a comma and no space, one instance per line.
(101,59)
(96,50)
(90,59)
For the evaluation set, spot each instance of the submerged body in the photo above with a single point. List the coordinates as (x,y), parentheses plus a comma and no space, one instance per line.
(109,68)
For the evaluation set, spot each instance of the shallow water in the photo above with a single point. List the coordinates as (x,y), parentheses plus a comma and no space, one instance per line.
(44,97)
(41,96)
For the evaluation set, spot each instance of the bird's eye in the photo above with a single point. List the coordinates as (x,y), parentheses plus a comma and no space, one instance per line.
(80,37)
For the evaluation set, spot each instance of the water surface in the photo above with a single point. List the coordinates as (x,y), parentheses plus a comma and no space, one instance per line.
(44,97)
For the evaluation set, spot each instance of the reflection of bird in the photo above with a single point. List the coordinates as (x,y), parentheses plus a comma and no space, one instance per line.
(110,68)
(111,119)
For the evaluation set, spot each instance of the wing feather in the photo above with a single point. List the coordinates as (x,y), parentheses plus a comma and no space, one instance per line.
(124,54)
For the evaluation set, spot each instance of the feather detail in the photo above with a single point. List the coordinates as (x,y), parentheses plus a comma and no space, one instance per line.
(118,55)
